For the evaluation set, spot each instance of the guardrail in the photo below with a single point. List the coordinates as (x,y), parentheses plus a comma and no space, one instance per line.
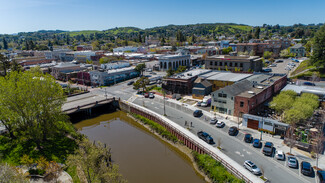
(160,119)
(89,104)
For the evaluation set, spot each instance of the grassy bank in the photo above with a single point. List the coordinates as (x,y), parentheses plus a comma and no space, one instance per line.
(214,169)
(157,128)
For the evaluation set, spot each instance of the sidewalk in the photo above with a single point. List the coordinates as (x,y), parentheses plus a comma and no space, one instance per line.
(232,121)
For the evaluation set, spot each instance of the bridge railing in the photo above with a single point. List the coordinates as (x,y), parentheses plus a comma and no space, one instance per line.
(192,140)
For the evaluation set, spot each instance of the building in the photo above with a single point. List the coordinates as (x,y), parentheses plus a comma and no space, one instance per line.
(234,63)
(84,47)
(104,78)
(182,83)
(221,79)
(65,71)
(264,124)
(174,61)
(201,88)
(320,92)
(255,48)
(258,48)
(126,49)
(115,65)
(299,50)
(247,95)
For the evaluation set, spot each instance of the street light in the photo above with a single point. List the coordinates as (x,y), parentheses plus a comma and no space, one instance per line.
(164,102)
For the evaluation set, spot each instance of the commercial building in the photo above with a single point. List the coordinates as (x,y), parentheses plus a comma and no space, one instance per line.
(201,88)
(126,49)
(115,65)
(65,71)
(104,78)
(247,95)
(258,47)
(234,63)
(174,61)
(182,83)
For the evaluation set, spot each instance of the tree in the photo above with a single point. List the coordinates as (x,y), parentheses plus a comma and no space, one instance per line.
(95,45)
(267,54)
(226,50)
(284,53)
(170,72)
(140,68)
(141,83)
(319,140)
(318,57)
(139,38)
(180,69)
(4,64)
(93,163)
(5,43)
(15,66)
(257,33)
(30,107)
(283,101)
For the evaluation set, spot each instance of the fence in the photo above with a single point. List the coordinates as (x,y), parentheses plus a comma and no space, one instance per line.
(178,131)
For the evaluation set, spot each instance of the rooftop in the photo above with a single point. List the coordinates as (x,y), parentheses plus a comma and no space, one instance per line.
(304,89)
(226,76)
(227,57)
(191,73)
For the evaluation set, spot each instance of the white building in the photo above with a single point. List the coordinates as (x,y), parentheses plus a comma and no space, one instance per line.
(174,61)
(126,49)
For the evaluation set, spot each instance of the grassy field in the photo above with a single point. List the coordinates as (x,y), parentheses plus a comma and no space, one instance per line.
(86,32)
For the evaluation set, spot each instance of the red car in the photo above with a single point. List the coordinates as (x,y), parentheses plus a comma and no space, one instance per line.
(146,95)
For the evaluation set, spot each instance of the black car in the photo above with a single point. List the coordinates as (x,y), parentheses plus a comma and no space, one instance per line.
(306,168)
(205,137)
(321,176)
(130,83)
(248,138)
(233,131)
(197,113)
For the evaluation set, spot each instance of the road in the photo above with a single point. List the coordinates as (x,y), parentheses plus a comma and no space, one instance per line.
(234,147)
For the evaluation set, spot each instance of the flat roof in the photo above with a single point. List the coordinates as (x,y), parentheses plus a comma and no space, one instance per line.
(227,76)
(189,74)
(308,89)
(227,57)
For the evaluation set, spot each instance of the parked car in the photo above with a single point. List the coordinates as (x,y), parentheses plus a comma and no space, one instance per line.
(248,138)
(146,95)
(205,137)
(198,103)
(206,102)
(306,168)
(197,113)
(267,70)
(292,162)
(257,143)
(273,65)
(249,165)
(220,124)
(308,83)
(213,121)
(279,155)
(151,95)
(321,176)
(130,83)
(233,131)
(268,149)
(288,68)
(278,61)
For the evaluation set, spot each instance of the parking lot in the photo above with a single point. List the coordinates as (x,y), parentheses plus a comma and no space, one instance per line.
(282,67)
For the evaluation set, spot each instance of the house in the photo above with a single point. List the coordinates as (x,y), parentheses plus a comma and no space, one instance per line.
(234,63)
(224,44)
(183,83)
(201,88)
(299,50)
(174,61)
(65,71)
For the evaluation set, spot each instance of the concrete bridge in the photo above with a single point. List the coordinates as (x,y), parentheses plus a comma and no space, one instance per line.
(85,102)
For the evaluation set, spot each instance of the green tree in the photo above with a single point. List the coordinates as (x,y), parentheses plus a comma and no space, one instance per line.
(141,83)
(318,57)
(4,64)
(15,66)
(257,33)
(283,101)
(93,163)
(181,69)
(226,50)
(267,54)
(140,68)
(5,43)
(95,45)
(30,107)
(170,72)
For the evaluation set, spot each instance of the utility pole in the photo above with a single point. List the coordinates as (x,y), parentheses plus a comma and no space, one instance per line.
(164,102)
(105,93)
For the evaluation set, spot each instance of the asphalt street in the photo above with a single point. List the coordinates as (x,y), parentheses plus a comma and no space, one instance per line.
(234,147)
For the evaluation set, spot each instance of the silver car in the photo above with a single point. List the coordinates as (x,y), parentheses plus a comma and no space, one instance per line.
(279,155)
(249,165)
(292,162)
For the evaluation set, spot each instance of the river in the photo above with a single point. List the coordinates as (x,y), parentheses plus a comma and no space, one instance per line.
(141,156)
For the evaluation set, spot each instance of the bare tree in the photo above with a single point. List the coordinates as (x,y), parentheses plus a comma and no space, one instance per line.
(4,64)
(291,135)
(219,142)
(318,143)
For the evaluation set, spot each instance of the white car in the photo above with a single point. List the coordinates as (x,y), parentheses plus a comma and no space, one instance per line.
(279,155)
(204,104)
(249,165)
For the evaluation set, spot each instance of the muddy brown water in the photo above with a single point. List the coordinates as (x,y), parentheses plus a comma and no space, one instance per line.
(141,156)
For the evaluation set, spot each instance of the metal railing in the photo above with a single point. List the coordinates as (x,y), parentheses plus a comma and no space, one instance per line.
(193,141)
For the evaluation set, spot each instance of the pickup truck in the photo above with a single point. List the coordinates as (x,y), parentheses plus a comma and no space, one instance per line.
(268,149)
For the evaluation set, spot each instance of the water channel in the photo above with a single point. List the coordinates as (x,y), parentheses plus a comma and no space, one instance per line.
(141,156)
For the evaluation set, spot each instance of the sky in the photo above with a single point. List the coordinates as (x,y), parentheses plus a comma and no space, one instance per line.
(32,15)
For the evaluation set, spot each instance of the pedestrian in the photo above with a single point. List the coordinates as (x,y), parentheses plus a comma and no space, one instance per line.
(191,124)
(185,123)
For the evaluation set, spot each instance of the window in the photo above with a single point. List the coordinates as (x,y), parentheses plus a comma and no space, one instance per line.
(230,64)
(232,98)
(211,63)
(226,63)
(241,64)
(224,95)
(241,104)
(220,63)
(219,94)
(268,123)
(215,63)
(236,64)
